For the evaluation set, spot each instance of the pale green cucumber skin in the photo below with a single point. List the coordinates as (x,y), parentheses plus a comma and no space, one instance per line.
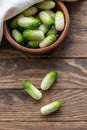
(49,80)
(43,28)
(50,108)
(46,19)
(46,5)
(36,35)
(59,21)
(50,39)
(52,31)
(32,90)
(28,23)
(51,13)
(30,11)
(17,36)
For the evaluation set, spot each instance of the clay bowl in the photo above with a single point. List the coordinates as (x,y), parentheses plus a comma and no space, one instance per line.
(38,51)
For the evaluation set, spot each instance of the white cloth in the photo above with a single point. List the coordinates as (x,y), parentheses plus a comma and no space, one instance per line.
(10,8)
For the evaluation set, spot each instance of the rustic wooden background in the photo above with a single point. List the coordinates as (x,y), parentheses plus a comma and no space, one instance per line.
(18,111)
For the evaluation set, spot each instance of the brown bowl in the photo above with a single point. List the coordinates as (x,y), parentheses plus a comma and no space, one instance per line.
(38,51)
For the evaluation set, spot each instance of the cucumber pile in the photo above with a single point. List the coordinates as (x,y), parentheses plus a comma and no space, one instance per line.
(38,26)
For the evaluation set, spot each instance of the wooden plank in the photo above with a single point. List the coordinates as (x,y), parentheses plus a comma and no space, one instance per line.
(78,13)
(75,43)
(16,105)
(72,72)
(43,125)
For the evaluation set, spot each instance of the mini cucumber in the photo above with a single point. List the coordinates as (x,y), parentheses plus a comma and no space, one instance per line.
(50,108)
(28,22)
(33,44)
(48,80)
(32,90)
(46,19)
(59,21)
(48,41)
(36,35)
(17,36)
(30,11)
(46,4)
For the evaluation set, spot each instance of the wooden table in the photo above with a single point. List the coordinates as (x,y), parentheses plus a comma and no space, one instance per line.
(18,111)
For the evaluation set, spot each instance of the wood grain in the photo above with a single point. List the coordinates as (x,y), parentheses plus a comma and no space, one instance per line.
(43,125)
(72,72)
(18,106)
(18,111)
(74,45)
